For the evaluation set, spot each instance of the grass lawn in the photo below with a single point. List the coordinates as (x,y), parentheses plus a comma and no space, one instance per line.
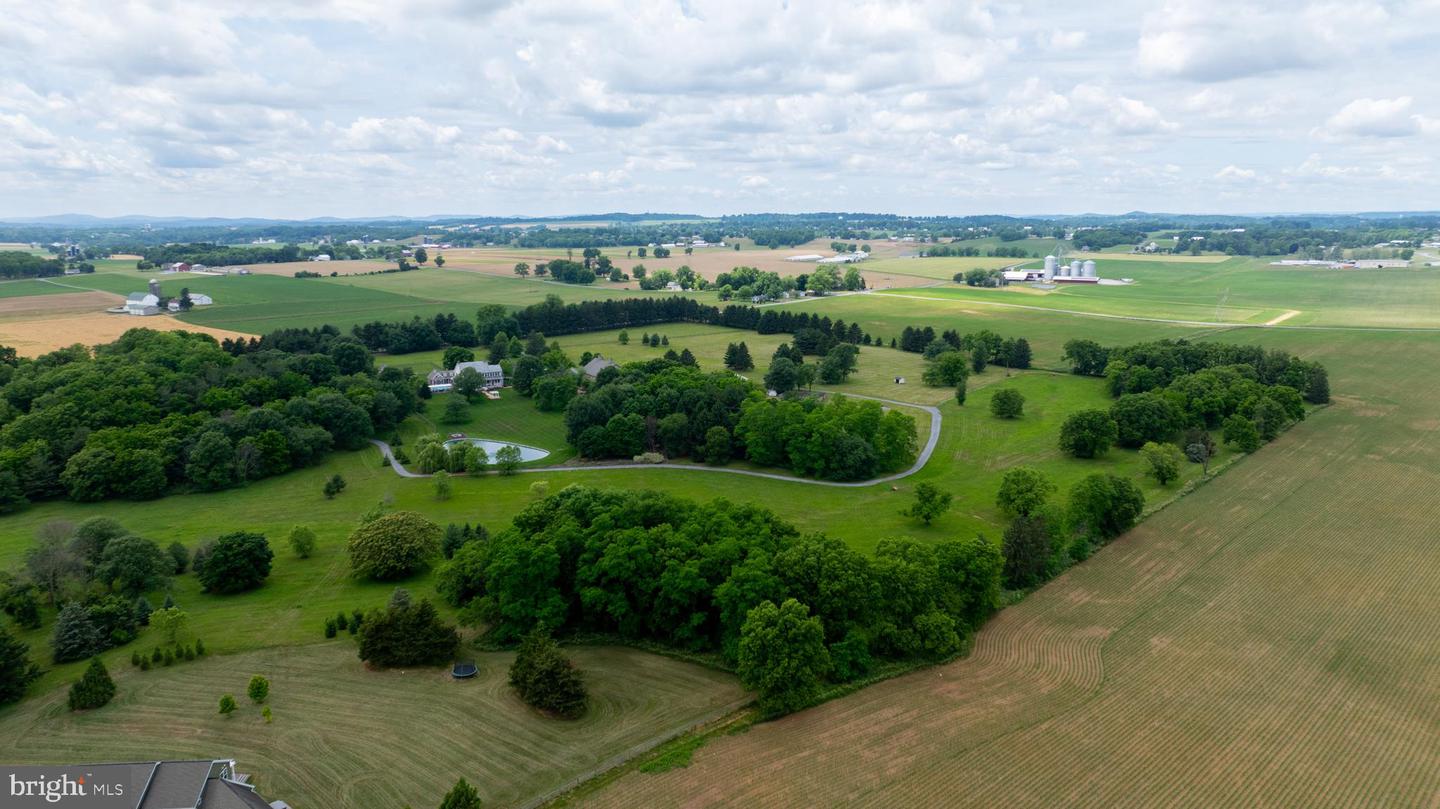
(345,736)
(510,418)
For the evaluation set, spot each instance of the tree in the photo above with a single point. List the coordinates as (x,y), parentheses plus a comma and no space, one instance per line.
(406,633)
(17,671)
(1143,417)
(717,447)
(1241,433)
(51,563)
(179,556)
(133,565)
(960,393)
(948,369)
(782,377)
(334,486)
(1105,506)
(782,655)
(737,357)
(507,459)
(930,502)
(18,600)
(76,636)
(461,796)
(228,705)
(94,689)
(454,355)
(393,546)
(544,678)
(1086,357)
(239,561)
(468,383)
(302,541)
(421,256)
(521,268)
(1027,548)
(443,488)
(457,411)
(89,539)
(170,623)
(838,364)
(1163,460)
(1007,403)
(624,338)
(1023,491)
(212,462)
(258,690)
(1087,433)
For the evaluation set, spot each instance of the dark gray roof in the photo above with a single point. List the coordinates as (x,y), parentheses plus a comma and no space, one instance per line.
(176,784)
(222,794)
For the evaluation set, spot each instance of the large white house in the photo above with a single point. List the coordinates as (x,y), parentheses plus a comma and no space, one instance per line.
(441,381)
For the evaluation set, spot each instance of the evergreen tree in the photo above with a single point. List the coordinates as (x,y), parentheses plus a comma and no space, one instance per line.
(461,796)
(258,690)
(76,636)
(546,679)
(94,689)
(16,669)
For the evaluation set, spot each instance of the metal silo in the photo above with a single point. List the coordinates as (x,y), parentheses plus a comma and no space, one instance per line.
(1074,269)
(1049,267)
(1088,268)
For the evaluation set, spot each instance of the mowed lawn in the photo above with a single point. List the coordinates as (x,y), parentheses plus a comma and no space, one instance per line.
(1266,641)
(346,736)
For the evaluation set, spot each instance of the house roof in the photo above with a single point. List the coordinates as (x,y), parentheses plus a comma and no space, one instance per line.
(481,367)
(598,364)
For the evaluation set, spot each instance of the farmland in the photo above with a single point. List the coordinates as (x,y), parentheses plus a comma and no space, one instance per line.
(1235,616)
(1258,643)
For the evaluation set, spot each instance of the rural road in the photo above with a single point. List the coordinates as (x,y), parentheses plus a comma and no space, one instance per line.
(920,460)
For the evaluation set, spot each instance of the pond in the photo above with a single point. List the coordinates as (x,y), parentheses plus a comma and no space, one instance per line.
(527,454)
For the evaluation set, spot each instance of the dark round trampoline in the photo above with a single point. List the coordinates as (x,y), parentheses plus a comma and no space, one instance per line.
(463,670)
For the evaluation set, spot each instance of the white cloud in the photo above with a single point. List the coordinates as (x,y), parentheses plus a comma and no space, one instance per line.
(407,134)
(1233,173)
(1379,117)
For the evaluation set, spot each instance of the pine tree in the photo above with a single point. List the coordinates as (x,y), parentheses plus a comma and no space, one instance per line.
(76,636)
(199,648)
(94,689)
(461,796)
(16,669)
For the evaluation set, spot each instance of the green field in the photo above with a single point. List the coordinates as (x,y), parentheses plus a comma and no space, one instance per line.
(1263,642)
(345,736)
(1269,627)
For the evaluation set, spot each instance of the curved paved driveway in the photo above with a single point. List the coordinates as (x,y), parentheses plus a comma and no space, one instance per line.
(920,460)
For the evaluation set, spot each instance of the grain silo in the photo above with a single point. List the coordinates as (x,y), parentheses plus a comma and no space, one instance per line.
(1087,270)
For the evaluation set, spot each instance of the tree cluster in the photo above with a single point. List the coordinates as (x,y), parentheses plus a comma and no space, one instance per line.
(836,439)
(651,566)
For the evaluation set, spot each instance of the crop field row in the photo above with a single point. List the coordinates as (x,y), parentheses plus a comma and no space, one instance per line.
(1262,642)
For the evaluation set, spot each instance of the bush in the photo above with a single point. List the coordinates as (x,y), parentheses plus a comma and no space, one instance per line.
(199,648)
(258,690)
(546,679)
(1007,403)
(407,634)
(1087,433)
(94,689)
(227,705)
(181,556)
(393,546)
(239,561)
(330,628)
(336,485)
(266,714)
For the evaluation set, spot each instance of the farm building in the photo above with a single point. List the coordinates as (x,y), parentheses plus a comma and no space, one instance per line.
(805,257)
(441,381)
(141,304)
(844,258)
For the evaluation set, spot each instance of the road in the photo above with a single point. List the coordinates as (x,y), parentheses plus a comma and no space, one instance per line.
(920,460)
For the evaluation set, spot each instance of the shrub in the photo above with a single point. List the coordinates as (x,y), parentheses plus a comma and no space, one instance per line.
(239,561)
(169,623)
(199,648)
(94,689)
(135,658)
(546,679)
(334,486)
(188,652)
(268,716)
(330,627)
(258,689)
(180,555)
(227,705)
(393,546)
(1007,403)
(341,622)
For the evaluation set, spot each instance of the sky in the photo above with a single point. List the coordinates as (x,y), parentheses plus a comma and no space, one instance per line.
(301,108)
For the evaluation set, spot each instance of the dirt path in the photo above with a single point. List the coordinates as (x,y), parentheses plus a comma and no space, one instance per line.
(1275,321)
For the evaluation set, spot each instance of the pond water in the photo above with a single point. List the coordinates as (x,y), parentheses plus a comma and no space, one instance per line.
(491,447)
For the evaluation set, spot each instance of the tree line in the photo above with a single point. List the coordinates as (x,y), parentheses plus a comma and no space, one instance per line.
(20,264)
(155,411)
